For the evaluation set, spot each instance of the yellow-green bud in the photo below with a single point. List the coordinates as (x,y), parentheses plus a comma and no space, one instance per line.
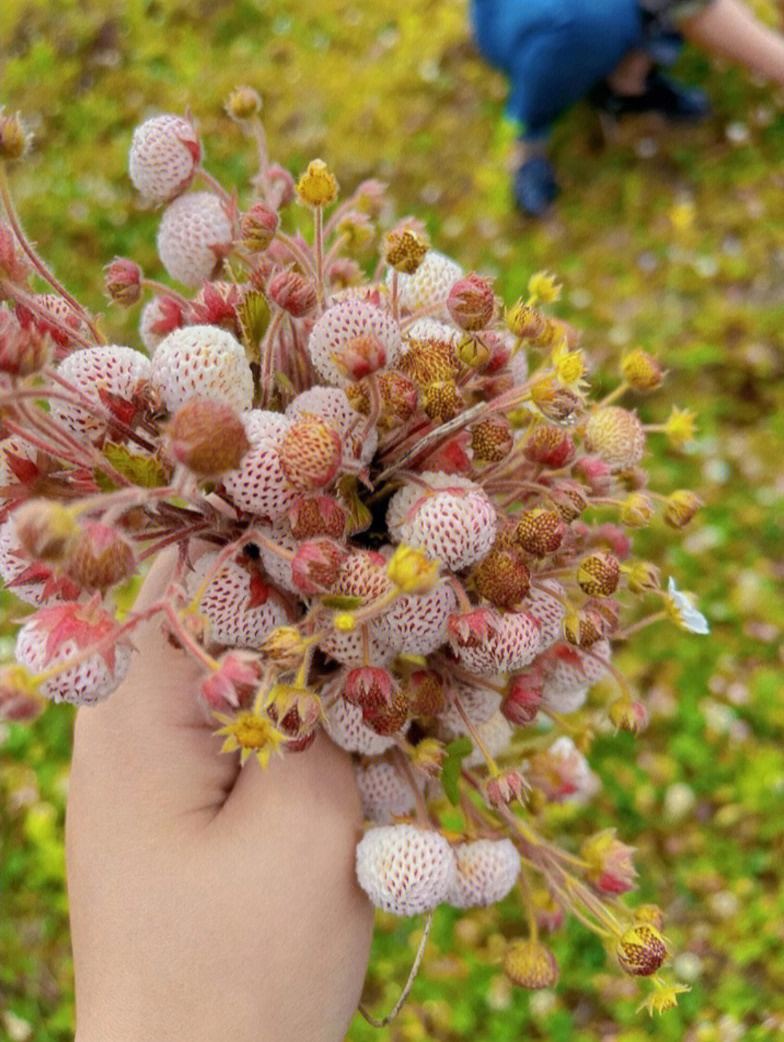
(529,964)
(243,103)
(642,576)
(642,371)
(636,510)
(680,508)
(14,140)
(317,186)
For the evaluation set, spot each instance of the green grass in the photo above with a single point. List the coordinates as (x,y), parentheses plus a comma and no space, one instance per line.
(669,238)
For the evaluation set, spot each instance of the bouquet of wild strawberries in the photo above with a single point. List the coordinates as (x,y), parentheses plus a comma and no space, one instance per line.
(397,515)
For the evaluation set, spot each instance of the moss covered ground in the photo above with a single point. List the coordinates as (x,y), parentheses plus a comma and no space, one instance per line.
(671,238)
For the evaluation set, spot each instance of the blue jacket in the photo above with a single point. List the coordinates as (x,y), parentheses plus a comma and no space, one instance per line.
(554,51)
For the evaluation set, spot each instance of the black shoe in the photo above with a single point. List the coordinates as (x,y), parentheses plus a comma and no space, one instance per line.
(535,186)
(661,95)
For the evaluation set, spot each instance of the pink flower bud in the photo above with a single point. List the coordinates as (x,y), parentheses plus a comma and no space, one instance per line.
(12,266)
(616,537)
(123,281)
(258,226)
(451,457)
(471,302)
(280,185)
(370,197)
(561,771)
(523,699)
(595,472)
(19,702)
(471,629)
(500,352)
(550,446)
(216,305)
(316,565)
(506,787)
(22,351)
(361,356)
(370,688)
(233,685)
(611,868)
(293,293)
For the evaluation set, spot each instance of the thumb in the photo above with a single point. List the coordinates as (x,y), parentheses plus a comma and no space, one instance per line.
(152,737)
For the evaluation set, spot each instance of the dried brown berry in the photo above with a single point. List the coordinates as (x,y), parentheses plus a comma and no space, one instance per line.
(503,578)
(491,439)
(549,445)
(442,401)
(539,532)
(429,360)
(641,950)
(404,250)
(425,692)
(598,574)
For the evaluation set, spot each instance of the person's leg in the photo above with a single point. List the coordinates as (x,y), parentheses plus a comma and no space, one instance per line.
(630,75)
(555,64)
(533,184)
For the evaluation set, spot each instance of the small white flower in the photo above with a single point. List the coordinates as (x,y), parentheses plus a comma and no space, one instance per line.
(682,611)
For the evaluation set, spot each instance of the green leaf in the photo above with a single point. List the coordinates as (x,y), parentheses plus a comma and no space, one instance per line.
(145,471)
(341,602)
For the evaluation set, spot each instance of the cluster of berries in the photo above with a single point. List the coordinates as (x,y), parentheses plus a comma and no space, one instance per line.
(399,517)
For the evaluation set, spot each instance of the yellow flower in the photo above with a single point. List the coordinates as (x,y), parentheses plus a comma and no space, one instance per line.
(411,571)
(664,998)
(344,622)
(251,733)
(569,366)
(682,215)
(542,286)
(680,427)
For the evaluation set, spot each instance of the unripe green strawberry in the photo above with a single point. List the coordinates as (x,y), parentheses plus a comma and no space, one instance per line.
(598,574)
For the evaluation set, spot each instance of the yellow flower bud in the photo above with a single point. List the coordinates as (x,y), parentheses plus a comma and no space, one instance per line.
(680,508)
(344,622)
(529,964)
(317,186)
(14,139)
(243,103)
(524,321)
(642,371)
(636,510)
(642,576)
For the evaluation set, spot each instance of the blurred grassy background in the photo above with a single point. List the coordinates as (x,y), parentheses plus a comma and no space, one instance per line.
(668,238)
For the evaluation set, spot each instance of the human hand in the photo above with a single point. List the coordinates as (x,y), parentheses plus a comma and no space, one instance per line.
(208,901)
